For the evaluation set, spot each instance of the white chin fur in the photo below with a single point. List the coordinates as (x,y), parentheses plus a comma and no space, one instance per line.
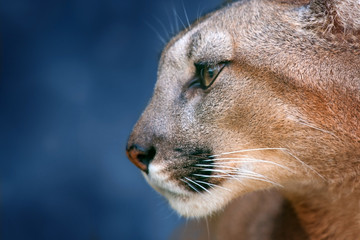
(198,205)
(186,203)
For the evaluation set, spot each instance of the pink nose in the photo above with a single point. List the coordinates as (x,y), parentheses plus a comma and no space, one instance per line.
(141,157)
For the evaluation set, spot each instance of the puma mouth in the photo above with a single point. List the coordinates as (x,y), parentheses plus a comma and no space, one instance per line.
(189,172)
(159,179)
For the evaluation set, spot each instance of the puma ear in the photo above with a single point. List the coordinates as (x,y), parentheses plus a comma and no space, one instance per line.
(335,19)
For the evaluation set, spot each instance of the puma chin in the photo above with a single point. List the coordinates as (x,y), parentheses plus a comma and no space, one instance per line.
(185,202)
(258,95)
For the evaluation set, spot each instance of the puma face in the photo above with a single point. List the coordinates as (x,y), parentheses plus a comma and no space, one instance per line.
(227,116)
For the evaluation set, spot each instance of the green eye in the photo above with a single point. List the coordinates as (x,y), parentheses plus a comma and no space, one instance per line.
(206,74)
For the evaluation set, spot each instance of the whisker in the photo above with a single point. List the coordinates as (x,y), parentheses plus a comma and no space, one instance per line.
(162,26)
(199,12)
(189,184)
(188,179)
(181,21)
(248,172)
(247,150)
(261,179)
(222,166)
(247,160)
(156,32)
(257,176)
(172,28)
(229,176)
(204,165)
(284,150)
(213,176)
(213,185)
(243,175)
(216,170)
(176,20)
(186,15)
(304,164)
(207,227)
(316,128)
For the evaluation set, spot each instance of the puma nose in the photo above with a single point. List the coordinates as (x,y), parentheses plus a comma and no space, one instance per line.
(140,156)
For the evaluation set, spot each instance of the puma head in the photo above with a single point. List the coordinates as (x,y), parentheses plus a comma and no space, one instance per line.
(259,94)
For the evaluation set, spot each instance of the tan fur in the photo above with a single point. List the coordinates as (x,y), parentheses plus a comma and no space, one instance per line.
(288,97)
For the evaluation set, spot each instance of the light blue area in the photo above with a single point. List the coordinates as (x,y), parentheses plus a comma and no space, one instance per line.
(75,76)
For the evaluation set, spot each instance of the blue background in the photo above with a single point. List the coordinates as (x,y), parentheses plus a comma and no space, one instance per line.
(75,76)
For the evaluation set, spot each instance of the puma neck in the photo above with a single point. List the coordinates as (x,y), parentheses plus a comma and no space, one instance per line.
(329,210)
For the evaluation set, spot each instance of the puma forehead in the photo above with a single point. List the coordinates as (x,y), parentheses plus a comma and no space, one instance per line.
(199,45)
(211,45)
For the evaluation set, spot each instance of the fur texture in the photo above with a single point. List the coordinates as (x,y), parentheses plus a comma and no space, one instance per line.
(279,125)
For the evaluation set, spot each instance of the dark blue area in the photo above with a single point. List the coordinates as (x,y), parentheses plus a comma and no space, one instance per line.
(75,76)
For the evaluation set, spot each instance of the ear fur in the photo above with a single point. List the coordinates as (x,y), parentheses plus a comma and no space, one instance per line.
(335,19)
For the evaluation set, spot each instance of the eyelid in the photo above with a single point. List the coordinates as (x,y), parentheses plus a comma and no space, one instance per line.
(209,64)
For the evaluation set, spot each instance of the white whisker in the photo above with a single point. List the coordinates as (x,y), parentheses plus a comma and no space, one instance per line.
(162,26)
(199,12)
(248,172)
(213,185)
(246,175)
(204,165)
(257,176)
(284,150)
(188,179)
(176,20)
(212,176)
(260,179)
(217,170)
(207,227)
(186,15)
(247,150)
(178,17)
(172,28)
(304,164)
(222,166)
(252,160)
(190,185)
(157,33)
(316,128)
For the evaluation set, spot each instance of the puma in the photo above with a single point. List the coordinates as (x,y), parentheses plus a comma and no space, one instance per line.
(254,124)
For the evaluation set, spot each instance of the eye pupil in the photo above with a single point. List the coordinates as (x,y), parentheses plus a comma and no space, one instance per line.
(202,73)
(211,72)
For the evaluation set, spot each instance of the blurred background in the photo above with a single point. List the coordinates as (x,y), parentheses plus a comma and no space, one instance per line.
(75,77)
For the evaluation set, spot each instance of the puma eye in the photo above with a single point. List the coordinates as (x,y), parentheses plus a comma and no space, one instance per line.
(206,74)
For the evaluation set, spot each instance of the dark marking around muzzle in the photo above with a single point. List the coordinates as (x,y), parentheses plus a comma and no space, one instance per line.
(196,171)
